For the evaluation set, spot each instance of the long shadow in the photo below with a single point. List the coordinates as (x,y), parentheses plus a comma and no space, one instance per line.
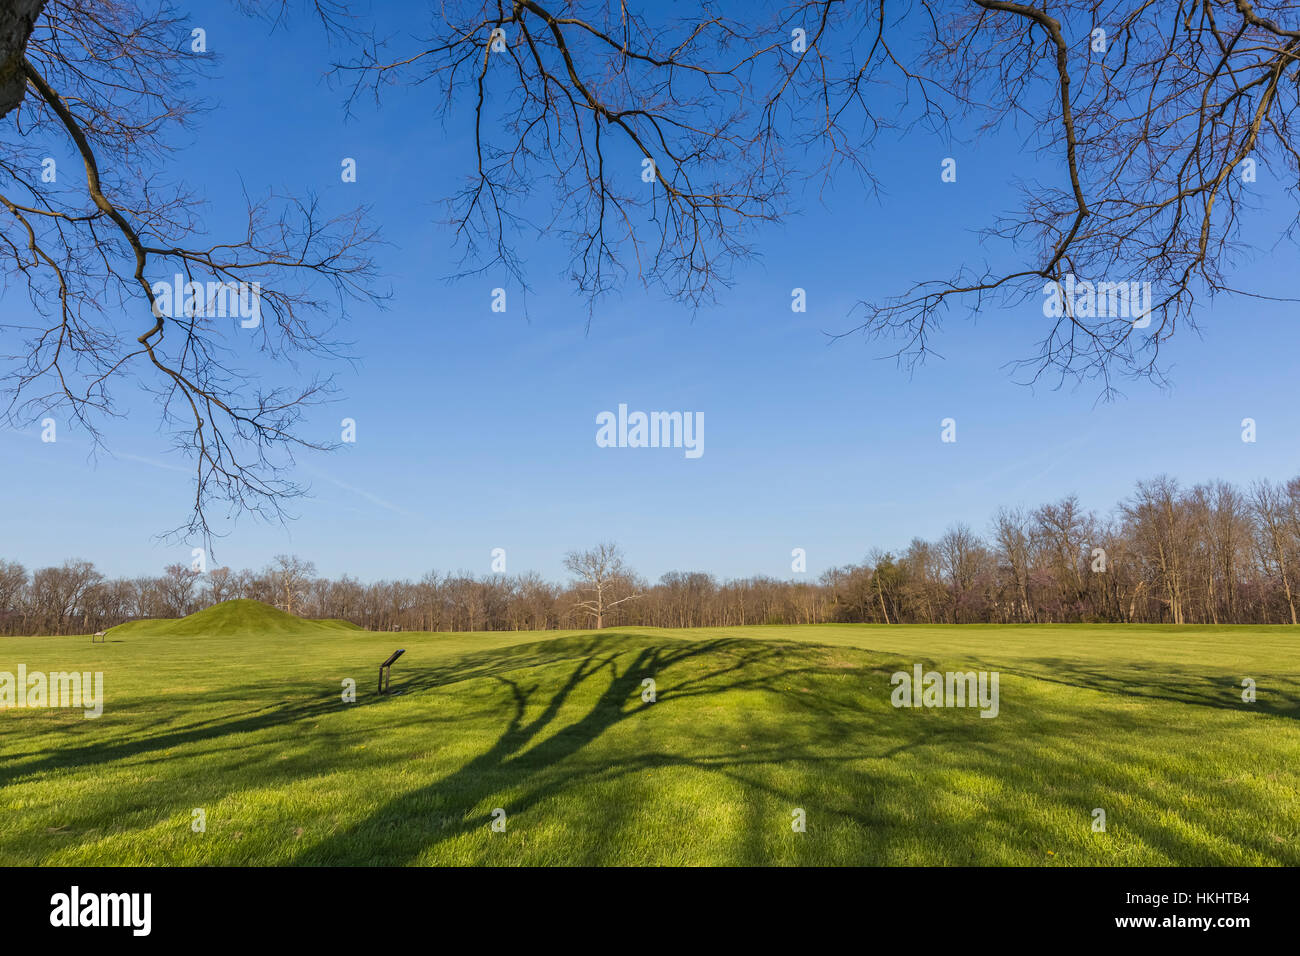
(548,722)
(531,758)
(1219,690)
(395,834)
(310,704)
(313,705)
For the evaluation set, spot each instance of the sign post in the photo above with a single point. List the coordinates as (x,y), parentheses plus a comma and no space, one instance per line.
(384,677)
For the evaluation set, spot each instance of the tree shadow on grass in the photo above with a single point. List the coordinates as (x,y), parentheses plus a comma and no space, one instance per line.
(563,695)
(848,746)
(608,672)
(299,702)
(1219,690)
(306,703)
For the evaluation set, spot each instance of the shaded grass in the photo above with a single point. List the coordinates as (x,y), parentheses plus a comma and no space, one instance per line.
(749,724)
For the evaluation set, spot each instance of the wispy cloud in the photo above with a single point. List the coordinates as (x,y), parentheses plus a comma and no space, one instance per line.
(361,492)
(151,462)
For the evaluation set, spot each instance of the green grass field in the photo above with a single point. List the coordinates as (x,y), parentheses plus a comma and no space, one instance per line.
(238,711)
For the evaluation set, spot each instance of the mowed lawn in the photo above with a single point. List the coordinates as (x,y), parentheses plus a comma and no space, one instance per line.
(238,711)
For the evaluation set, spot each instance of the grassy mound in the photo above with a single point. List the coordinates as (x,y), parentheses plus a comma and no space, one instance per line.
(238,618)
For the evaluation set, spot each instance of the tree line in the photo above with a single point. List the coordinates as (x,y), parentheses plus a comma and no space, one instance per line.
(1212,553)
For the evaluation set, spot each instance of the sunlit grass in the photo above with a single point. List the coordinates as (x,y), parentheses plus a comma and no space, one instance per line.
(749,724)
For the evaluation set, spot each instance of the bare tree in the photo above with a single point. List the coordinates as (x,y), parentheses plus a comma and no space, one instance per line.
(176,589)
(960,553)
(110,78)
(13,578)
(1162,532)
(1148,110)
(651,144)
(603,576)
(644,130)
(1278,548)
(221,586)
(146,598)
(1012,531)
(885,575)
(57,593)
(16,21)
(1151,110)
(1063,533)
(289,576)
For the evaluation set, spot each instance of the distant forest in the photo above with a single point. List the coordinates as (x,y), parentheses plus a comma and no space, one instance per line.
(1212,553)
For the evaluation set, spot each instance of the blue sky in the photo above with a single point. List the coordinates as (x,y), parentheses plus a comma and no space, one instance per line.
(476,430)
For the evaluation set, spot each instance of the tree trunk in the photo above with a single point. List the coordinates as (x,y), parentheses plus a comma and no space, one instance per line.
(17,17)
